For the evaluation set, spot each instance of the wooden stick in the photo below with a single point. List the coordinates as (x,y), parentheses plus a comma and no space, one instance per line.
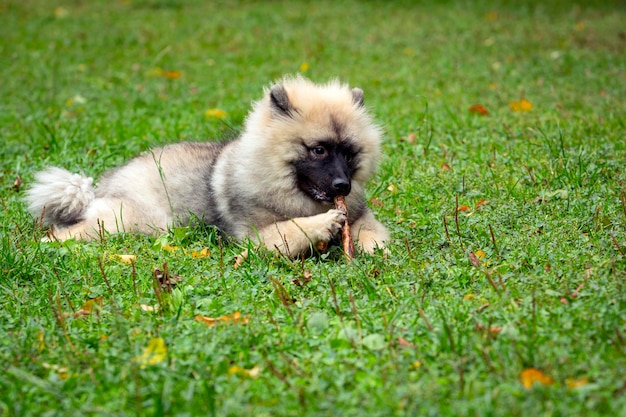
(346,237)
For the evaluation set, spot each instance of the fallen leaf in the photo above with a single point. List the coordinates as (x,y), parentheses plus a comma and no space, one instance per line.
(88,307)
(304,279)
(522,105)
(17,183)
(215,113)
(304,67)
(468,297)
(480,254)
(170,248)
(410,138)
(495,330)
(203,253)
(250,373)
(146,307)
(155,352)
(236,318)
(445,167)
(479,109)
(165,278)
(404,343)
(416,364)
(463,208)
(127,259)
(240,259)
(474,260)
(480,203)
(41,343)
(528,377)
(574,383)
(172,75)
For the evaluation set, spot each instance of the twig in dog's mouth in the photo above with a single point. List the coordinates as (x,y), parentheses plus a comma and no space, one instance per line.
(346,237)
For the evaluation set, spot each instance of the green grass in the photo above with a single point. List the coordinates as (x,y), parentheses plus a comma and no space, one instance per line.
(423,332)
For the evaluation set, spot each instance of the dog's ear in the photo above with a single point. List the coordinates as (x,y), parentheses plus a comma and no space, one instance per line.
(357,97)
(279,100)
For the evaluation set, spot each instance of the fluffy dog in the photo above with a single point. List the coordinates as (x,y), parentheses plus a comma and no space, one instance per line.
(302,145)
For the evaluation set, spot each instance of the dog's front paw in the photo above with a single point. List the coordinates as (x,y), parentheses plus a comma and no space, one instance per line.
(329,224)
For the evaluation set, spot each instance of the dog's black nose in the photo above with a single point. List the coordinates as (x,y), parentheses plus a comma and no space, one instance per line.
(341,186)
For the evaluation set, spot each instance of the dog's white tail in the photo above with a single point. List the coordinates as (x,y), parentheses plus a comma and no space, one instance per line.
(60,196)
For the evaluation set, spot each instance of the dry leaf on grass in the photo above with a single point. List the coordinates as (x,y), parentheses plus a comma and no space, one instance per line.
(235,318)
(250,373)
(479,109)
(155,352)
(530,376)
(165,278)
(240,259)
(124,258)
(522,105)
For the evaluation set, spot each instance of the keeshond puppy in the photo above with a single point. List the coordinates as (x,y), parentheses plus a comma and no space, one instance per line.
(302,145)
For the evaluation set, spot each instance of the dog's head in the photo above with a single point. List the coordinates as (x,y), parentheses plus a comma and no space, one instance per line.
(322,132)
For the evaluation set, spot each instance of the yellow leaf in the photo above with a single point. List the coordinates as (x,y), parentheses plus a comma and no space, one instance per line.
(169,248)
(215,113)
(127,259)
(416,364)
(88,307)
(172,75)
(304,67)
(480,254)
(200,254)
(522,105)
(573,383)
(528,377)
(251,373)
(468,297)
(155,352)
(41,342)
(236,317)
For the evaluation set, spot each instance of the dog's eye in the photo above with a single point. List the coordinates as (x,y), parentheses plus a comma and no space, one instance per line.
(318,150)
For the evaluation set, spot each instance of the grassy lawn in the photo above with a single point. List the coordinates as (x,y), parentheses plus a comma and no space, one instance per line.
(504,292)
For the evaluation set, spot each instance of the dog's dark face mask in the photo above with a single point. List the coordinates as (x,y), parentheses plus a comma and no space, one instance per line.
(326,170)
